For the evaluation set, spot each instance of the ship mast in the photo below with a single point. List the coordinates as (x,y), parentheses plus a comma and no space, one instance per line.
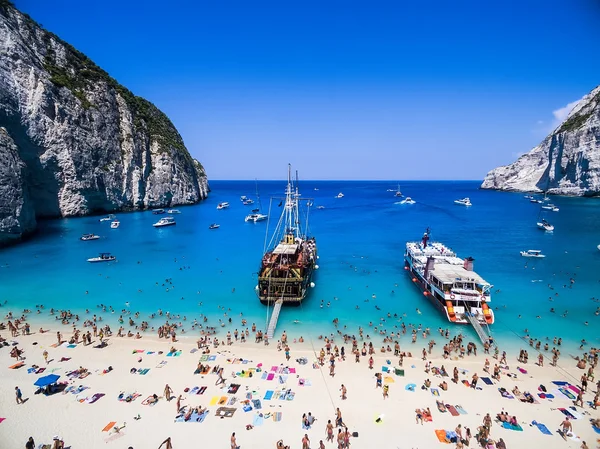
(291,211)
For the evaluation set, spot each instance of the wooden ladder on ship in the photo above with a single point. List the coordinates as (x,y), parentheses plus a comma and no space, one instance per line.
(274,318)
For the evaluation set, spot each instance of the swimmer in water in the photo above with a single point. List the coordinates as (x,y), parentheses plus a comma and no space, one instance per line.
(418,311)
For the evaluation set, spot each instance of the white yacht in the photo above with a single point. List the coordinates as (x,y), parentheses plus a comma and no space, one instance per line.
(165,221)
(243,198)
(158,211)
(463,202)
(110,217)
(533,253)
(103,257)
(173,211)
(340,195)
(398,193)
(545,226)
(247,202)
(223,205)
(255,217)
(408,200)
(551,207)
(214,226)
(115,224)
(86,237)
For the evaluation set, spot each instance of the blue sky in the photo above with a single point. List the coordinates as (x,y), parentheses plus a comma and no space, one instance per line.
(344,90)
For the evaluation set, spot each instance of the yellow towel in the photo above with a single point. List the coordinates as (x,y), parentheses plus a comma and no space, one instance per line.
(214,400)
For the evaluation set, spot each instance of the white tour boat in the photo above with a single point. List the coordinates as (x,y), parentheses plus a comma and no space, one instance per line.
(408,200)
(533,253)
(223,205)
(165,221)
(449,282)
(463,202)
(86,237)
(339,195)
(115,224)
(103,257)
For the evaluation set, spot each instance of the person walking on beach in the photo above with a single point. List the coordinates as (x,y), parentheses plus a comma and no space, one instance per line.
(474,381)
(344,391)
(305,442)
(329,431)
(338,418)
(168,392)
(166,443)
(386,389)
(233,441)
(566,426)
(30,443)
(19,395)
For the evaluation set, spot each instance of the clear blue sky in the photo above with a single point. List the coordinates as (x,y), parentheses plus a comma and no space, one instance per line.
(349,89)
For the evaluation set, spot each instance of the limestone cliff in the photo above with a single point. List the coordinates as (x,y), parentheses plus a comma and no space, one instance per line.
(73,141)
(567,162)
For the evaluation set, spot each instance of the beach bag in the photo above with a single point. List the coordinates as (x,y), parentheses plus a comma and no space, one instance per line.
(355,434)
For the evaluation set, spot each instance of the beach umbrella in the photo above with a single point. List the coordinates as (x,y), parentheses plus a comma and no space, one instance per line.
(46,380)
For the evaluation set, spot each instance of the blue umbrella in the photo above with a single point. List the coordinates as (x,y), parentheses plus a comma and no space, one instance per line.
(46,380)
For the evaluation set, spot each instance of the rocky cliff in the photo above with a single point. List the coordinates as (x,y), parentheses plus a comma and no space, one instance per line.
(567,162)
(73,141)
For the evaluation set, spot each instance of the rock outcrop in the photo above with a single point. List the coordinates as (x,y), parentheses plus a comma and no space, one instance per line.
(73,141)
(567,162)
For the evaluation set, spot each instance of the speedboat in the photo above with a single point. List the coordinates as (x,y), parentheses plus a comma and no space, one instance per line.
(528,197)
(340,195)
(545,226)
(110,217)
(255,217)
(408,200)
(243,198)
(86,237)
(214,226)
(463,202)
(115,224)
(158,211)
(533,253)
(165,221)
(247,202)
(551,207)
(223,205)
(103,257)
(173,211)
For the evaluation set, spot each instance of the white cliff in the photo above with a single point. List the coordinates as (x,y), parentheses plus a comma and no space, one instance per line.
(567,162)
(73,141)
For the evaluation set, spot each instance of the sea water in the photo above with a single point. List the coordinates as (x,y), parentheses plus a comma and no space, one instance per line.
(193,271)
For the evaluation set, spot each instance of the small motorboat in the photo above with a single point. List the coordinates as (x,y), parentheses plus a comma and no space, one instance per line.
(243,198)
(103,257)
(247,202)
(165,221)
(255,217)
(320,207)
(528,197)
(214,226)
(115,224)
(408,200)
(173,211)
(223,205)
(158,211)
(339,195)
(533,253)
(551,207)
(110,217)
(545,226)
(463,202)
(86,237)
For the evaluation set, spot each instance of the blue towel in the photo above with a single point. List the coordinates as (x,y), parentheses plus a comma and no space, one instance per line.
(268,395)
(542,428)
(257,404)
(487,380)
(258,420)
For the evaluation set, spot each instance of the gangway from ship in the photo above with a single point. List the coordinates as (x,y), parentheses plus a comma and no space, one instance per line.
(274,318)
(484,336)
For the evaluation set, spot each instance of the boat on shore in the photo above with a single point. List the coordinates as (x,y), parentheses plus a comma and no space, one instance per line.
(165,221)
(533,253)
(288,265)
(223,205)
(87,237)
(103,257)
(448,281)
(463,202)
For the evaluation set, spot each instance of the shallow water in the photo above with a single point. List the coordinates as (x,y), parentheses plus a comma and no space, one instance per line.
(361,244)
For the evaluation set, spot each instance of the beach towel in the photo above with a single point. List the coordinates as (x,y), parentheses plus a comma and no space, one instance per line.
(399,372)
(441,436)
(226,412)
(466,383)
(268,395)
(17,365)
(137,351)
(452,410)
(223,400)
(233,388)
(573,411)
(435,392)
(247,408)
(510,426)
(542,428)
(257,404)
(411,387)
(109,426)
(290,396)
(384,369)
(505,394)
(388,380)
(487,380)
(277,416)
(144,371)
(214,400)
(71,346)
(270,376)
(560,383)
(460,410)
(194,417)
(596,429)
(194,390)
(567,413)
(258,420)
(264,376)
(174,354)
(2,419)
(283,379)
(567,393)
(574,388)
(94,398)
(212,358)
(441,407)
(161,364)
(521,370)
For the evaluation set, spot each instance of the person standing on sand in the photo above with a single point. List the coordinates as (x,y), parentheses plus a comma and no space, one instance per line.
(338,418)
(233,441)
(474,381)
(566,426)
(344,391)
(386,389)
(305,442)
(166,443)
(58,338)
(30,443)
(19,395)
(178,403)
(45,354)
(168,392)
(329,431)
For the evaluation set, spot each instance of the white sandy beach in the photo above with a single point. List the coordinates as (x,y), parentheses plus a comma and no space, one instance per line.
(80,424)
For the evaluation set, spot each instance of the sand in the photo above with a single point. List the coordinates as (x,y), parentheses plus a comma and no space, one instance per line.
(81,424)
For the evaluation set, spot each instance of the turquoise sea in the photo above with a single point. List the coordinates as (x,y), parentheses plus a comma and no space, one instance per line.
(190,270)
